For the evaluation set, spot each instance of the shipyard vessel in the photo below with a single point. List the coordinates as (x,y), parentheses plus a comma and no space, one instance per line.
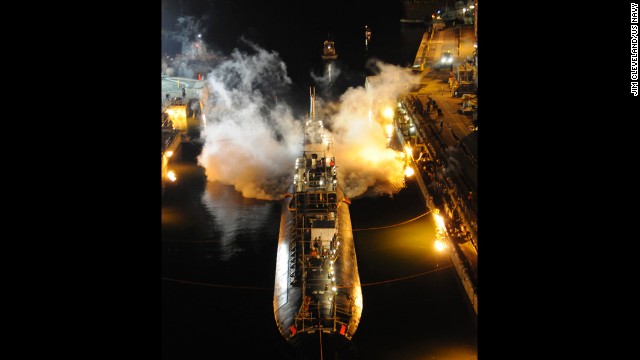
(317,294)
(329,50)
(182,122)
(171,147)
(367,35)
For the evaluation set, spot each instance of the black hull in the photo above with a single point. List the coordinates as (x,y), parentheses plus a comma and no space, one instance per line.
(317,293)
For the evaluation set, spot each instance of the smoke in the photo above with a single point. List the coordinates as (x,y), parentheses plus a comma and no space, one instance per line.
(195,57)
(251,136)
(251,139)
(359,133)
(234,214)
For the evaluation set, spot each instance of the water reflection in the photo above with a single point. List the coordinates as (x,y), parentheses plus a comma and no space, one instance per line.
(326,82)
(236,218)
(329,70)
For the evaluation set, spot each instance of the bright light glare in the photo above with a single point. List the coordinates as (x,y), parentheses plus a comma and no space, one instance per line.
(169,153)
(172,176)
(408,171)
(408,150)
(439,221)
(389,129)
(440,245)
(388,112)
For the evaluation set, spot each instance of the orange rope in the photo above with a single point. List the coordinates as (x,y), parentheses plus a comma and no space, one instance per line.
(265,288)
(390,226)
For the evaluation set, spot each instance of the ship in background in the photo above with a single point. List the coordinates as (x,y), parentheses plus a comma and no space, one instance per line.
(317,296)
(171,147)
(183,102)
(329,50)
(182,120)
(367,35)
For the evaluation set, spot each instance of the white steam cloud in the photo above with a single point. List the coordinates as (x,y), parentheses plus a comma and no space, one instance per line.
(359,134)
(251,139)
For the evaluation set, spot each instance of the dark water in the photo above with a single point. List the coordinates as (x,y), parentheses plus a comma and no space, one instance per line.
(219,249)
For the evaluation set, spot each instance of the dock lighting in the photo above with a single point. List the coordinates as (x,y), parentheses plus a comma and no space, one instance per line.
(472,7)
(168,154)
(440,245)
(408,171)
(388,112)
(439,221)
(408,150)
(172,176)
(331,262)
(333,279)
(389,129)
(333,288)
